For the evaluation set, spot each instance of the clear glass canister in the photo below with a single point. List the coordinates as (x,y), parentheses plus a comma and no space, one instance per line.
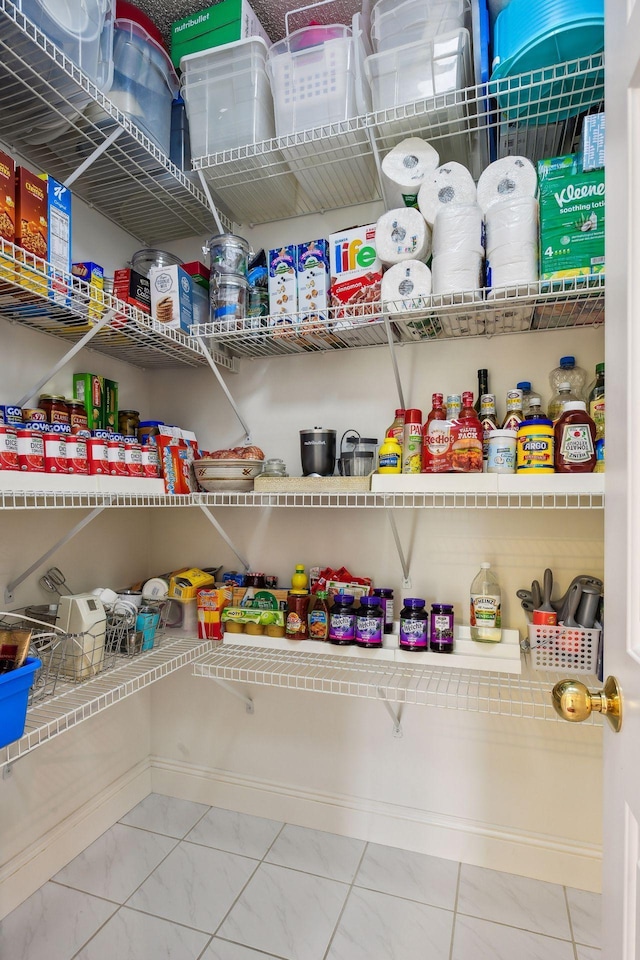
(228,296)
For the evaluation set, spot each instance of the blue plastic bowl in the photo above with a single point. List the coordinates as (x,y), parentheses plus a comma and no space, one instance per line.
(14,696)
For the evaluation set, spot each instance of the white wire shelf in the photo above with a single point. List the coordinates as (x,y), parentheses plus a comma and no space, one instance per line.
(544,305)
(75,703)
(27,297)
(526,696)
(535,114)
(53,115)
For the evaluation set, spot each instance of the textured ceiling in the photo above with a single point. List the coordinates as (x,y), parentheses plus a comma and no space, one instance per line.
(271,14)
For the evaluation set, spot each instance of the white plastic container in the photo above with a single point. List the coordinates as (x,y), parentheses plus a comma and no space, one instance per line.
(418,71)
(227,96)
(81,29)
(312,85)
(144,81)
(392,23)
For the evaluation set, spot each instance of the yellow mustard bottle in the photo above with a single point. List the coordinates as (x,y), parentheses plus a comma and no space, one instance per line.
(390,456)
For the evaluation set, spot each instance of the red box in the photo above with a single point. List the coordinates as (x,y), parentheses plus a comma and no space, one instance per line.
(133,288)
(211,602)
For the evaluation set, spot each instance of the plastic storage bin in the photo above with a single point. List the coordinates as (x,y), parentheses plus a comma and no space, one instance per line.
(144,81)
(312,85)
(420,70)
(392,24)
(564,648)
(227,95)
(14,696)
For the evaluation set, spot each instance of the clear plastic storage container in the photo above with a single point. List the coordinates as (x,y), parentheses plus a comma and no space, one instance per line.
(227,95)
(312,85)
(144,81)
(392,23)
(418,71)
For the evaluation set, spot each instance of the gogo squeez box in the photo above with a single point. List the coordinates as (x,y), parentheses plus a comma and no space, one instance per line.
(572,211)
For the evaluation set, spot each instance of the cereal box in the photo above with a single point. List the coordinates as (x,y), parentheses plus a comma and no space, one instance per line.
(7,206)
(171,297)
(31,225)
(93,274)
(313,278)
(283,287)
(356,271)
(58,238)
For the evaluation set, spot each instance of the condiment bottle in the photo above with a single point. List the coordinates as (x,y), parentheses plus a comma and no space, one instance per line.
(297,616)
(568,372)
(397,427)
(414,625)
(559,399)
(486,599)
(597,413)
(369,623)
(575,439)
(441,633)
(454,405)
(438,410)
(483,388)
(299,580)
(467,411)
(514,415)
(528,395)
(488,421)
(435,440)
(535,409)
(318,618)
(390,456)
(385,596)
(342,620)
(412,447)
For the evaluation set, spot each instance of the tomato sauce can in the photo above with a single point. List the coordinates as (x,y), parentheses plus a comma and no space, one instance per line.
(60,428)
(97,451)
(30,451)
(55,453)
(150,460)
(77,461)
(8,448)
(41,426)
(34,414)
(116,458)
(133,458)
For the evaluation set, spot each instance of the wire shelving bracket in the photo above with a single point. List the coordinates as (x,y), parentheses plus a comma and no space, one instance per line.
(227,539)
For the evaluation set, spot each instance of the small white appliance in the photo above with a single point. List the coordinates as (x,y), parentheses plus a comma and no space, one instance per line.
(82,615)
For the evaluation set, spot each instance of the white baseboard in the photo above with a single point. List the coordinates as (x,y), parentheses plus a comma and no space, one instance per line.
(36,864)
(543,857)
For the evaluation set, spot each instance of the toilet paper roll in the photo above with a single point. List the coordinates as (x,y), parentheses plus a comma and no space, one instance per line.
(404,168)
(525,254)
(402,234)
(510,177)
(405,286)
(457,272)
(458,226)
(450,183)
(512,222)
(514,272)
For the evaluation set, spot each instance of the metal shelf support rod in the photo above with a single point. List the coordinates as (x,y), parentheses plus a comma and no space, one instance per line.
(227,539)
(406,582)
(225,388)
(396,716)
(99,150)
(229,687)
(89,335)
(394,360)
(211,202)
(8,593)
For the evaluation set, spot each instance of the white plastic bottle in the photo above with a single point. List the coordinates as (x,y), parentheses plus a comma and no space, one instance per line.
(568,372)
(486,599)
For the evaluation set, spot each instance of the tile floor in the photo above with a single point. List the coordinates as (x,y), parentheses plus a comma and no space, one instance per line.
(175,880)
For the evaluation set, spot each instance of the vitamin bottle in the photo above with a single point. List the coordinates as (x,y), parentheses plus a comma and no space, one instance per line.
(486,598)
(318,618)
(514,415)
(414,625)
(369,623)
(412,447)
(342,620)
(575,440)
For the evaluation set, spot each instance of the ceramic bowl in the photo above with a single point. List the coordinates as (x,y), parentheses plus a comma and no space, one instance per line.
(237,469)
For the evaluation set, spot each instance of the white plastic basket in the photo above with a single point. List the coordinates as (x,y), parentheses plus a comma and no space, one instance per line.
(392,24)
(564,648)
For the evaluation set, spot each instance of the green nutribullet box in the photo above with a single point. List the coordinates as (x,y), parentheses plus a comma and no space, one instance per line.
(572,217)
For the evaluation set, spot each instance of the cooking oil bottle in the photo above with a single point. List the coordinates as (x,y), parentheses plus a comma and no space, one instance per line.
(486,596)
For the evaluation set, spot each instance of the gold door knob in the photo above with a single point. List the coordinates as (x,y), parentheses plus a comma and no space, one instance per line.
(573,701)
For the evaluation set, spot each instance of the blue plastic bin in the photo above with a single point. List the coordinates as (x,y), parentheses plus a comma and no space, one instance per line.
(14,695)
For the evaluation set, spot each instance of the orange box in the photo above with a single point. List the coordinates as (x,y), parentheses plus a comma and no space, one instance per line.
(31,226)
(211,603)
(7,209)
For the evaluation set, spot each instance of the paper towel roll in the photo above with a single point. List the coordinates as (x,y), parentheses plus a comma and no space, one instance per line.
(513,221)
(450,183)
(402,234)
(458,226)
(510,177)
(404,168)
(404,285)
(456,273)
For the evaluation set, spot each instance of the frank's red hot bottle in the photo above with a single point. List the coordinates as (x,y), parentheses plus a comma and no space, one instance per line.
(467,433)
(30,451)
(133,457)
(116,456)
(97,455)
(8,448)
(437,438)
(77,461)
(55,453)
(150,461)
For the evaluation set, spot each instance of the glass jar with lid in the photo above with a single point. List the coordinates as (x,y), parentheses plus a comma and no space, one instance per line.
(275,468)
(55,408)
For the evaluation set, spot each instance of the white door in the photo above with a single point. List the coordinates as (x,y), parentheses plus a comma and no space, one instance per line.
(621,871)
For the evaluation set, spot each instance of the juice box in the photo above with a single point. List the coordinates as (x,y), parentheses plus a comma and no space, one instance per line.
(58,238)
(171,297)
(211,603)
(31,226)
(7,210)
(93,274)
(356,271)
(89,388)
(282,283)
(110,405)
(313,278)
(572,220)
